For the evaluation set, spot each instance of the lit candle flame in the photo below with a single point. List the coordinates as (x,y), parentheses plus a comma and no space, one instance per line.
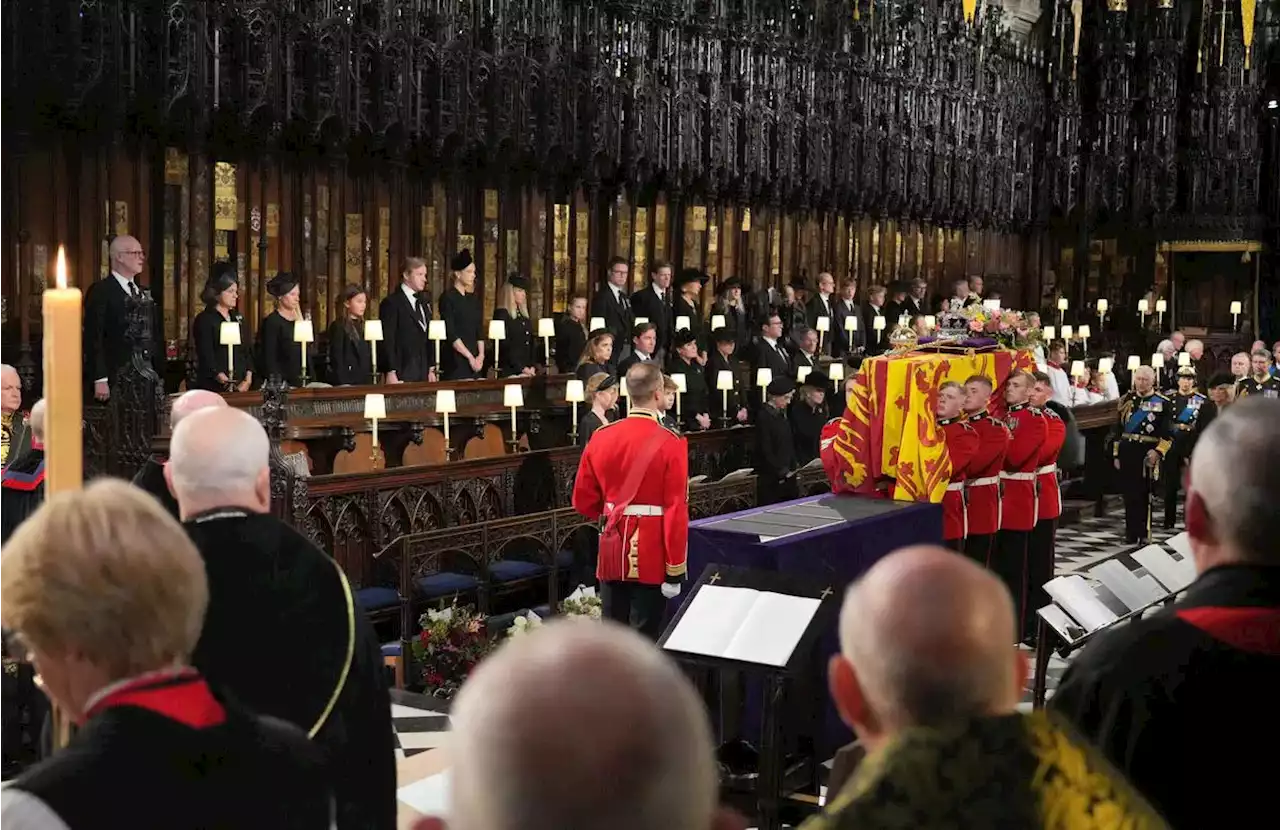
(60,270)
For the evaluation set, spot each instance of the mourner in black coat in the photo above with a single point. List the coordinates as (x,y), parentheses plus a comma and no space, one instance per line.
(350,358)
(107,303)
(808,415)
(695,409)
(611,303)
(407,354)
(462,355)
(687,304)
(281,355)
(775,447)
(515,357)
(215,369)
(571,335)
(21,489)
(654,302)
(722,359)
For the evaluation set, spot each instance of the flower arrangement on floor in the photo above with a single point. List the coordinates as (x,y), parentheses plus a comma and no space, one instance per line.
(583,602)
(1009,328)
(523,624)
(452,641)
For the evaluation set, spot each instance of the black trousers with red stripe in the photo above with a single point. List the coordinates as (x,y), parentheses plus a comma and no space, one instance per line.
(979,547)
(1009,562)
(1040,569)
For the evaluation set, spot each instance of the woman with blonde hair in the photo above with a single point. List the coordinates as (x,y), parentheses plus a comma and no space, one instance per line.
(602,391)
(597,356)
(515,354)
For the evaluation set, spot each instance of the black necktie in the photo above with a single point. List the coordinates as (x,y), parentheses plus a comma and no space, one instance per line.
(133,289)
(622,298)
(420,308)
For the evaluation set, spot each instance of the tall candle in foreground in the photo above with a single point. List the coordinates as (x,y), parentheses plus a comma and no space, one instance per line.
(64,457)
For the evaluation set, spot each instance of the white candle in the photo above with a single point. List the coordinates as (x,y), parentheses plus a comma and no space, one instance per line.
(63,359)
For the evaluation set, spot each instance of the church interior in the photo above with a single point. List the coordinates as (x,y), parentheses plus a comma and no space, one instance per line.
(417,327)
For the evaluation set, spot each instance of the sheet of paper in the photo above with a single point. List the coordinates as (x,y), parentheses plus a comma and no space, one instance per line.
(1079,600)
(1181,543)
(1063,624)
(1128,588)
(773,627)
(1171,574)
(711,620)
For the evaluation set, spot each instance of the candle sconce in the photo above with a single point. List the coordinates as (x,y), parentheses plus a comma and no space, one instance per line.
(373,334)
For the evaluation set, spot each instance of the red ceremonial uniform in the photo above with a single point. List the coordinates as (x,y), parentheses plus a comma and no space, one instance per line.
(962,445)
(983,485)
(655,527)
(1050,499)
(1019,474)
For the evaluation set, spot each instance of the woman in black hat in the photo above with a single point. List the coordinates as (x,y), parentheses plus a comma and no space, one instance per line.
(281,356)
(602,391)
(350,358)
(729,303)
(462,355)
(213,370)
(687,304)
(516,354)
(695,402)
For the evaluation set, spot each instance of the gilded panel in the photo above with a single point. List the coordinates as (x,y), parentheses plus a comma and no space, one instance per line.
(583,241)
(640,241)
(384,248)
(537,266)
(353,246)
(560,256)
(273,221)
(660,231)
(224,196)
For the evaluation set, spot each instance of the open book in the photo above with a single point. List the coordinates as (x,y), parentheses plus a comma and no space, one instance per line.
(743,624)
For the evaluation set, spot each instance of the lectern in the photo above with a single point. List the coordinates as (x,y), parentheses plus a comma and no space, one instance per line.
(767,627)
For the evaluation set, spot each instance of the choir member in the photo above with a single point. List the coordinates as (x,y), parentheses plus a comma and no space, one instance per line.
(350,355)
(460,308)
(516,353)
(213,372)
(281,356)
(822,304)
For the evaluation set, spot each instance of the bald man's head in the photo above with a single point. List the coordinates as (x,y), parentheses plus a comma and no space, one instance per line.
(218,457)
(926,637)
(127,256)
(632,742)
(36,420)
(193,401)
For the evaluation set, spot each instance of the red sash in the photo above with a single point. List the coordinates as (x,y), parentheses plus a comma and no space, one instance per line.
(181,695)
(611,563)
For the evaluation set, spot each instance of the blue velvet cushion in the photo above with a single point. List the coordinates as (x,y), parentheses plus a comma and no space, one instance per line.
(441,584)
(564,559)
(507,570)
(377,597)
(394,649)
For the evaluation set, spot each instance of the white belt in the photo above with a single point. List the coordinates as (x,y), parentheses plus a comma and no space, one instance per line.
(984,482)
(1018,476)
(955,485)
(1043,471)
(958,486)
(643,510)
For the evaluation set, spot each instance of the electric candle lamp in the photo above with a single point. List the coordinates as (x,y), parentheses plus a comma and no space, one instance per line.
(640,321)
(547,330)
(802,372)
(1157,361)
(682,386)
(1184,359)
(1236,308)
(1049,332)
(497,333)
(1105,365)
(682,322)
(878,325)
(513,396)
(1134,362)
(1063,304)
(596,324)
(717,321)
(436,332)
(1103,305)
(724,382)
(373,334)
(851,323)
(930,322)
(836,372)
(375,409)
(229,336)
(303,334)
(1077,368)
(447,404)
(1066,333)
(574,393)
(1083,333)
(764,377)
(1161,308)
(823,326)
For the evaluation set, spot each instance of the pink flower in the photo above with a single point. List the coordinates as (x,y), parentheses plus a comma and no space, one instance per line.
(975,325)
(1022,332)
(1004,326)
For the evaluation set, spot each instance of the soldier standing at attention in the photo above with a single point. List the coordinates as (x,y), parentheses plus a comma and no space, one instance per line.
(963,444)
(1041,550)
(635,475)
(982,489)
(1192,413)
(1019,479)
(1141,440)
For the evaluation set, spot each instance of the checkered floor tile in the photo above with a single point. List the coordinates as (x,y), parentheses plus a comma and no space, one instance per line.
(1091,539)
(421,723)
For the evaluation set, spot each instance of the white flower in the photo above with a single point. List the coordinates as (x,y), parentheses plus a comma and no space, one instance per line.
(443,615)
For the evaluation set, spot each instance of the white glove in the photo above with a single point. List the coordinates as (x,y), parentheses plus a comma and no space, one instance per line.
(671,590)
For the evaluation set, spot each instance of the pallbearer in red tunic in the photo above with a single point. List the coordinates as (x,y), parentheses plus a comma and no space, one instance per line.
(1019,506)
(634,473)
(107,593)
(1040,555)
(982,489)
(962,445)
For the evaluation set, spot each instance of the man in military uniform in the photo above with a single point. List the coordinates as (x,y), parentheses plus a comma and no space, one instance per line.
(1192,412)
(982,489)
(1140,442)
(1041,553)
(1018,478)
(635,475)
(962,448)
(1260,381)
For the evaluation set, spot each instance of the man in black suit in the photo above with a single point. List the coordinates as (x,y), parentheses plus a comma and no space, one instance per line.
(654,303)
(106,304)
(822,304)
(845,308)
(770,352)
(407,354)
(611,303)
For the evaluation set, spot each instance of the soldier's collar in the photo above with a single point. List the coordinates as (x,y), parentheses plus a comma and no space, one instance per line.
(641,412)
(942,422)
(979,415)
(1019,406)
